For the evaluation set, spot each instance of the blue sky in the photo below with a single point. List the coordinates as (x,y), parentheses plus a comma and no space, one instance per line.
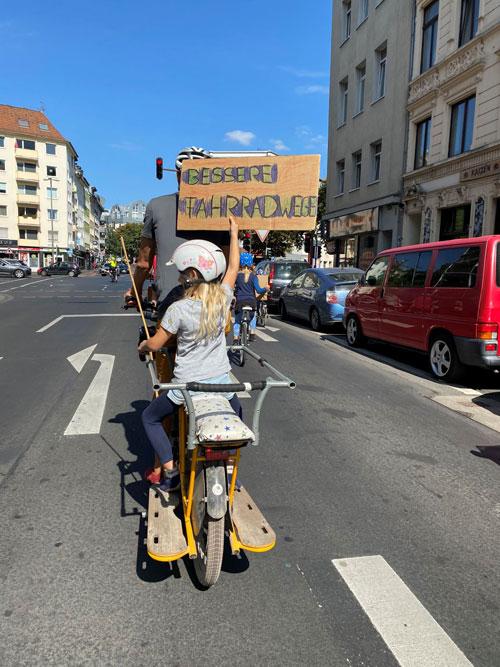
(126,81)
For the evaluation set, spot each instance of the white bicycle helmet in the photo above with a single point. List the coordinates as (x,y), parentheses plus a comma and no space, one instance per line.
(204,256)
(190,153)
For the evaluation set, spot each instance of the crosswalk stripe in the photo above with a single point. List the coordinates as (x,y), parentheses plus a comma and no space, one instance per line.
(405,625)
(273,329)
(264,336)
(240,394)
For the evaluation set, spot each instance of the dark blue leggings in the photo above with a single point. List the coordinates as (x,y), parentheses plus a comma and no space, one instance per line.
(153,416)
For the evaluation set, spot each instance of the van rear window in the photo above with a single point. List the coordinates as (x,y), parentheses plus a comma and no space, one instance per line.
(284,271)
(456,267)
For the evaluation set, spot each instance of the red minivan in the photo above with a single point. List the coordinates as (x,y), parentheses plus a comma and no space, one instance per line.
(441,298)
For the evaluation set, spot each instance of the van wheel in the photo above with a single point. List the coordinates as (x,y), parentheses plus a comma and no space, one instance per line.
(354,334)
(443,358)
(315,319)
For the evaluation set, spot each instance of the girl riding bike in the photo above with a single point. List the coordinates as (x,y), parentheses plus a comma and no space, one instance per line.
(246,286)
(198,320)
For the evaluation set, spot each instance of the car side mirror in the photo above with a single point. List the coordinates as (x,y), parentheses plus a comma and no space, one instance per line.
(371,281)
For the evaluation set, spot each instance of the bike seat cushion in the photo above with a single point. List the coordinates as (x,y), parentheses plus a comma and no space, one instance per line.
(216,421)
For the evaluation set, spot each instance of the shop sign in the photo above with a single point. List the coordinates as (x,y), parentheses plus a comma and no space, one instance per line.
(8,243)
(355,223)
(486,169)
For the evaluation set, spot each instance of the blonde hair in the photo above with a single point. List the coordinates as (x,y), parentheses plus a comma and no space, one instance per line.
(213,308)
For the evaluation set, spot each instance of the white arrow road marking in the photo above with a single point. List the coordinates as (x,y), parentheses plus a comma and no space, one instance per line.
(79,359)
(264,336)
(62,317)
(405,625)
(88,416)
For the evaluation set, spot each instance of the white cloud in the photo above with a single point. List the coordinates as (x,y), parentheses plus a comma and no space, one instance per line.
(312,90)
(312,141)
(240,137)
(304,73)
(278,145)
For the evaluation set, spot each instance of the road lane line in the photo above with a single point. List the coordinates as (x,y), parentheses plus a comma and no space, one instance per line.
(234,380)
(10,281)
(62,317)
(405,625)
(264,336)
(38,282)
(88,416)
(79,359)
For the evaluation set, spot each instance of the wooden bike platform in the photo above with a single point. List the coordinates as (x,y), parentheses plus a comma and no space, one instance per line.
(252,530)
(165,539)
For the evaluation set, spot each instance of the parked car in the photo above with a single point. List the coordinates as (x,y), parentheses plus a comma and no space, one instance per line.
(123,267)
(60,269)
(279,272)
(440,298)
(14,268)
(318,295)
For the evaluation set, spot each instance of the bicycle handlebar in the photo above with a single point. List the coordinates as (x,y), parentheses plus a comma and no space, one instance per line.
(218,388)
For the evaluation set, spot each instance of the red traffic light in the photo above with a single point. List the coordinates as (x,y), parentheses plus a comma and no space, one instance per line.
(248,235)
(159,168)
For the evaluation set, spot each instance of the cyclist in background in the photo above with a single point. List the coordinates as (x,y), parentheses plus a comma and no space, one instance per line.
(245,288)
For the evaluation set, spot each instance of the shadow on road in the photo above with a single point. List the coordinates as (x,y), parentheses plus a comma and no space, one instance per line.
(491,452)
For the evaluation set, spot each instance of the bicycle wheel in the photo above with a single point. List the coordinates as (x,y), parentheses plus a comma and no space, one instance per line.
(210,546)
(243,341)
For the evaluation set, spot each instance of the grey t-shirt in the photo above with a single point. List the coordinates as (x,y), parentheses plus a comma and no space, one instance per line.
(160,224)
(197,359)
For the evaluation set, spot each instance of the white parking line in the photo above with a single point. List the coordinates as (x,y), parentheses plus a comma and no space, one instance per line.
(405,625)
(62,317)
(38,282)
(264,336)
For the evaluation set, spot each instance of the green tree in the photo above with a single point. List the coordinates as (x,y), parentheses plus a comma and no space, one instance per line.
(131,234)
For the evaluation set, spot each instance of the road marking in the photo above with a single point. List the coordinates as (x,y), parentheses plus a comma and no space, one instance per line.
(273,329)
(38,282)
(405,625)
(88,416)
(5,282)
(79,359)
(264,336)
(62,317)
(234,380)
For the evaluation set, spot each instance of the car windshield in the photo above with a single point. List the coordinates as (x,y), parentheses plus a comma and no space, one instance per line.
(346,277)
(286,270)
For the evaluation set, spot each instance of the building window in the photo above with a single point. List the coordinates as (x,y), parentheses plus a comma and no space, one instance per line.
(468,21)
(27,166)
(43,126)
(31,234)
(360,87)
(462,126)
(2,165)
(52,213)
(23,123)
(380,74)
(340,177)
(3,188)
(347,13)
(53,236)
(429,36)
(52,193)
(51,149)
(454,223)
(4,232)
(362,11)
(356,170)
(344,89)
(26,144)
(376,160)
(2,142)
(27,212)
(422,143)
(3,210)
(51,171)
(26,189)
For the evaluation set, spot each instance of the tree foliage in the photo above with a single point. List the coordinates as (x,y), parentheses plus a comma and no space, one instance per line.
(131,233)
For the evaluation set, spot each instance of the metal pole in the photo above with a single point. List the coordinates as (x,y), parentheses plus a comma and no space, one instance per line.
(52,220)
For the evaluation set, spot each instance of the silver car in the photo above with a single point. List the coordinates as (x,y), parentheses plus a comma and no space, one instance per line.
(279,272)
(14,268)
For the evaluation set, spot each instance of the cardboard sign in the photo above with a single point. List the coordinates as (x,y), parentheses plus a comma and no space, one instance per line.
(277,192)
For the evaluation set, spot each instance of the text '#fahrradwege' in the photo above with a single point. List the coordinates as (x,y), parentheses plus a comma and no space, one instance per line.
(263,206)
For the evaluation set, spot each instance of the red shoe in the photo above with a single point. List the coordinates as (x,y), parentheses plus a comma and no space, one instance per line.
(152,477)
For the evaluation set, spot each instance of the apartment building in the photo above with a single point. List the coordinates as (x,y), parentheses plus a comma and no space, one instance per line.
(370,67)
(123,214)
(38,182)
(452,179)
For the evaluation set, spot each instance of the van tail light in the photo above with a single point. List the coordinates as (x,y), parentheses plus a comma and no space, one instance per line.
(331,297)
(487,331)
(271,277)
(490,347)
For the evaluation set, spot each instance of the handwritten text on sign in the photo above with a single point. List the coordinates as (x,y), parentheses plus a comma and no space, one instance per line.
(261,193)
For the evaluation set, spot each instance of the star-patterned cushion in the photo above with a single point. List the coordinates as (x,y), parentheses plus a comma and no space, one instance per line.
(216,421)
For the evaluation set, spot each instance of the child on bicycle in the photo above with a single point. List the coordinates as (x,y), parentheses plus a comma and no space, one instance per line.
(198,320)
(247,284)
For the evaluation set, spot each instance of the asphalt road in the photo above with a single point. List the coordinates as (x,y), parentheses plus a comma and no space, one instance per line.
(359,465)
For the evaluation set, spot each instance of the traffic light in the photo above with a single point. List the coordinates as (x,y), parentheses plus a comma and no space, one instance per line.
(159,168)
(307,243)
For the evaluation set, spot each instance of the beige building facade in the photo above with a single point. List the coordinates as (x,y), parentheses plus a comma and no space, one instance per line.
(452,176)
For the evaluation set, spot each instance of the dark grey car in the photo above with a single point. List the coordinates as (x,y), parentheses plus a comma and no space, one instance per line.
(14,268)
(279,272)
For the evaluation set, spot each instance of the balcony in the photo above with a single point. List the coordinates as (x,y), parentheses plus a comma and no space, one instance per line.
(28,199)
(27,176)
(26,153)
(28,221)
